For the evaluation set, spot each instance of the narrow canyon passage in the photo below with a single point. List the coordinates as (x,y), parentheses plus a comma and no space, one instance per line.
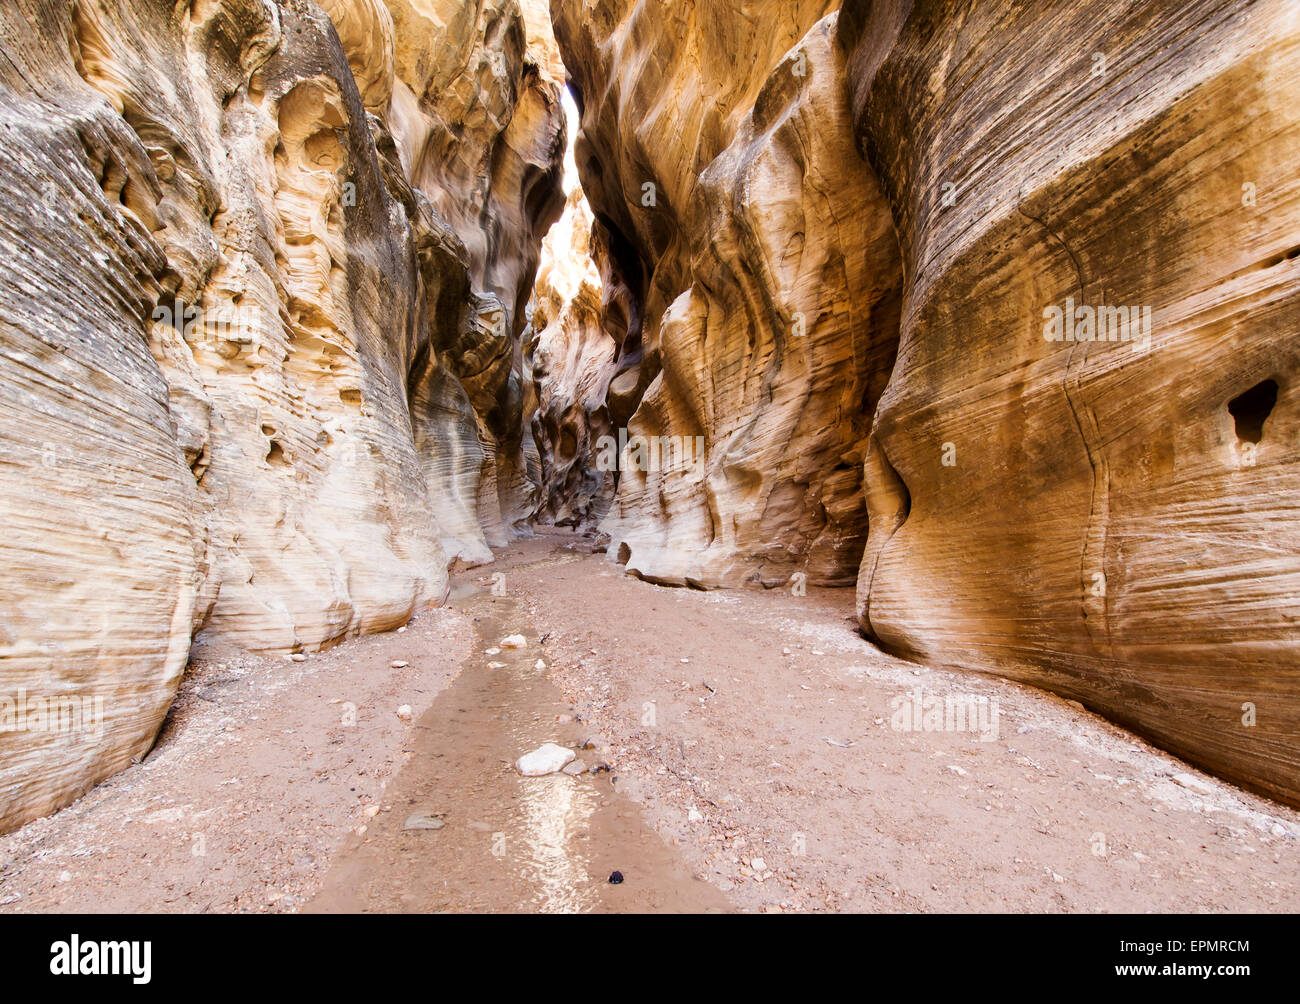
(880,426)
(737,726)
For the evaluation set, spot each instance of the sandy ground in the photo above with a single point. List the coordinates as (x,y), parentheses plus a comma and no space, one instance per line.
(1062,812)
(263,768)
(504,842)
(751,735)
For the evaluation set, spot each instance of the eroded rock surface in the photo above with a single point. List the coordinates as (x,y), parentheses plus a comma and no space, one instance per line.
(1013,289)
(480,131)
(260,311)
(572,360)
(753,258)
(1111,517)
(1089,514)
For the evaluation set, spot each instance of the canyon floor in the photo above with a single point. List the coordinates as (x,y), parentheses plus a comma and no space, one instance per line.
(736,726)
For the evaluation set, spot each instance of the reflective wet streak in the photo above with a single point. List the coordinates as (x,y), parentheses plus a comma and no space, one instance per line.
(509,843)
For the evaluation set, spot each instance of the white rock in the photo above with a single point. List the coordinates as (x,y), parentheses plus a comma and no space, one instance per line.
(539,665)
(399,664)
(297,657)
(404,712)
(695,816)
(492,651)
(514,641)
(759,865)
(496,665)
(544,760)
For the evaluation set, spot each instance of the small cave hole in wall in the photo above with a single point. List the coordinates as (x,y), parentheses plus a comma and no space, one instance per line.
(1251,409)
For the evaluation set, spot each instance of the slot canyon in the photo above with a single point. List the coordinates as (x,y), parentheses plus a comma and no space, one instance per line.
(859,438)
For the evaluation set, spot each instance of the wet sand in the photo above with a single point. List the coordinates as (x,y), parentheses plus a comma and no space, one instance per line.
(509,843)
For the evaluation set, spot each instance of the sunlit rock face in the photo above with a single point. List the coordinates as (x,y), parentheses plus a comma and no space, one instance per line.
(480,131)
(752,285)
(260,341)
(571,360)
(1115,519)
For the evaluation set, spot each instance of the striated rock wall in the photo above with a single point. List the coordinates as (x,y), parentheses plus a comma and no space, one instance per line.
(260,316)
(1117,520)
(572,361)
(1111,516)
(752,285)
(479,128)
(268,364)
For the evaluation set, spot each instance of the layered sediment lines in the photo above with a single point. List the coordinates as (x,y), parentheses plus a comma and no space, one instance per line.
(571,361)
(984,308)
(1118,519)
(752,285)
(260,315)
(1036,338)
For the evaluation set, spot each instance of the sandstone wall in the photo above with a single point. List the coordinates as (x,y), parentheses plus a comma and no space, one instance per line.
(247,384)
(1114,520)
(1091,515)
(752,280)
(480,131)
(571,360)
